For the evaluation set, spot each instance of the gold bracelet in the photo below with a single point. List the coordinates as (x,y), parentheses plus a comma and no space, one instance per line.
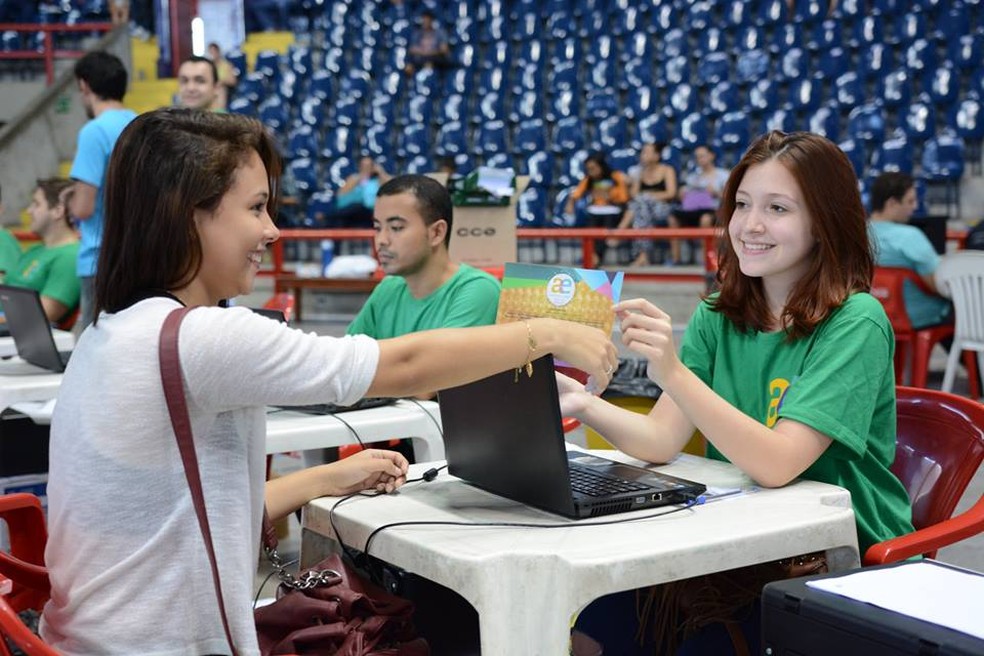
(531,349)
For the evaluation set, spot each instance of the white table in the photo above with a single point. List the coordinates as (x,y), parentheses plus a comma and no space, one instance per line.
(526,584)
(64,341)
(295,431)
(22,381)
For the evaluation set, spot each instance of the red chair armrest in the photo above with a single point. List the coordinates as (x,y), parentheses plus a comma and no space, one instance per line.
(928,539)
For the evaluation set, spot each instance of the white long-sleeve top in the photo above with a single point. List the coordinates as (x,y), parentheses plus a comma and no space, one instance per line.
(129,569)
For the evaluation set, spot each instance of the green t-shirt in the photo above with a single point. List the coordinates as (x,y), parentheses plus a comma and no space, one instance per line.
(469,298)
(10,250)
(50,271)
(839,381)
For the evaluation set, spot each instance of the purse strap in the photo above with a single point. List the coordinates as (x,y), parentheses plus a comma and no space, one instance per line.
(177,407)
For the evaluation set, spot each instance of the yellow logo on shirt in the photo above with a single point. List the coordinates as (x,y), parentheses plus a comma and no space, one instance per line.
(777,389)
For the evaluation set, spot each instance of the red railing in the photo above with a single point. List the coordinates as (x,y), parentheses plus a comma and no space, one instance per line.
(49,54)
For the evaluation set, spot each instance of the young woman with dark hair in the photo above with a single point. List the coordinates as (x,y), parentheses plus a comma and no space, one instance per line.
(787,371)
(189,201)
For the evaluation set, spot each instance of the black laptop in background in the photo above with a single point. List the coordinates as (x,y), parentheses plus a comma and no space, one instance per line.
(30,329)
(504,435)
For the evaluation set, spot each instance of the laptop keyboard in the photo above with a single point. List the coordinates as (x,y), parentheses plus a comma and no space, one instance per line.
(332,408)
(593,484)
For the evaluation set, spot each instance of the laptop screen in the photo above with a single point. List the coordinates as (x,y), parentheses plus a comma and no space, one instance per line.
(29,327)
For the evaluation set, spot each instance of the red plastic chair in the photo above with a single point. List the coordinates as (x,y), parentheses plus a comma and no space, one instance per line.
(911,346)
(940,447)
(24,580)
(283,301)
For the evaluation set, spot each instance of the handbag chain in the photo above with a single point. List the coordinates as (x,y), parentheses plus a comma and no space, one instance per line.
(307,580)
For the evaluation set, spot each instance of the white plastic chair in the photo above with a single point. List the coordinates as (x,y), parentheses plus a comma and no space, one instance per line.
(961,276)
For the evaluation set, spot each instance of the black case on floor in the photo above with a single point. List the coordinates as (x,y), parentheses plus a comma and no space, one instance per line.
(801,621)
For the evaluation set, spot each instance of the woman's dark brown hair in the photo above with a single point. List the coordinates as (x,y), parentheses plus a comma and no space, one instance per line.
(842,261)
(166,164)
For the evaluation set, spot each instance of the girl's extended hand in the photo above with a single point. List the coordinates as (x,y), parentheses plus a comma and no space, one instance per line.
(574,397)
(587,349)
(372,469)
(647,330)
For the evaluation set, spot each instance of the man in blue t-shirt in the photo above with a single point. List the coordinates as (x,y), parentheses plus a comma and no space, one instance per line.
(897,244)
(101,79)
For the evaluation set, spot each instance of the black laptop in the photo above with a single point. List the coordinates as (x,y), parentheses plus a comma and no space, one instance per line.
(30,328)
(504,435)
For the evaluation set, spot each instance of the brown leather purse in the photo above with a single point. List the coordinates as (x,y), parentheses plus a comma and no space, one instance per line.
(328,609)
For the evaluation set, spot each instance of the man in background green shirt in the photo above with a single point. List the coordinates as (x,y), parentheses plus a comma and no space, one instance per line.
(50,267)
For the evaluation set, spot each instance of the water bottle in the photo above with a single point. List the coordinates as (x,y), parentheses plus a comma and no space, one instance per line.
(327,254)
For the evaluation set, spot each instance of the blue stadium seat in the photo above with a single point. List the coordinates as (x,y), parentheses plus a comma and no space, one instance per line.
(763,97)
(338,143)
(531,212)
(909,27)
(710,40)
(806,95)
(539,167)
(563,77)
(629,20)
(894,154)
(623,159)
(722,98)
(772,13)
(682,101)
(751,38)
(699,16)
(414,141)
(943,164)
(785,37)
(302,142)
(794,64)
(826,122)
(561,25)
(564,105)
(848,11)
(319,205)
(334,61)
(809,11)
(530,78)
(492,107)
(866,123)
(451,139)
(692,130)
(855,153)
(637,72)
(638,45)
(954,23)
(675,44)
(531,136)
(943,86)
(497,55)
(824,36)
(876,61)
(531,52)
(426,82)
(378,142)
(242,105)
(565,50)
(268,64)
(739,13)
(867,31)
(299,60)
(652,129)
(254,87)
(497,28)
(849,90)
(420,109)
(673,154)
(568,136)
(357,83)
(499,161)
(920,57)
(967,51)
(752,66)
(833,62)
(419,165)
(453,108)
(491,138)
(601,49)
(526,106)
(527,27)
(612,134)
(895,90)
(274,114)
(601,77)
(732,133)
(572,168)
(713,68)
(641,102)
(392,85)
(492,80)
(346,112)
(676,70)
(781,119)
(237,58)
(919,121)
(465,55)
(968,122)
(303,176)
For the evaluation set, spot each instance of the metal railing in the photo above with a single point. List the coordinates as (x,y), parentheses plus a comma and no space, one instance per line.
(48,52)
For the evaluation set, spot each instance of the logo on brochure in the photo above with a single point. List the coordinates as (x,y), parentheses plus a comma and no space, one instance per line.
(560,290)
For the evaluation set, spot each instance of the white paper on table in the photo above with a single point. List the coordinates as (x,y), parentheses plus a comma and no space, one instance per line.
(924,590)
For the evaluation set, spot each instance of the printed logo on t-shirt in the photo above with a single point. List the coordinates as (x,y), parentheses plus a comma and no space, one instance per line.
(777,390)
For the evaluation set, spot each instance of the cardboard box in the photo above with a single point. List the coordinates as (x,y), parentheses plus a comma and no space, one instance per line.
(485,236)
(36,484)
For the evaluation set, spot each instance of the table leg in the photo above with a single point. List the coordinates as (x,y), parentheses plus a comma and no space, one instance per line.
(517,618)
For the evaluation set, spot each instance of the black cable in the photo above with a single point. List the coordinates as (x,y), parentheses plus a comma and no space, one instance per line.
(440,431)
(354,432)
